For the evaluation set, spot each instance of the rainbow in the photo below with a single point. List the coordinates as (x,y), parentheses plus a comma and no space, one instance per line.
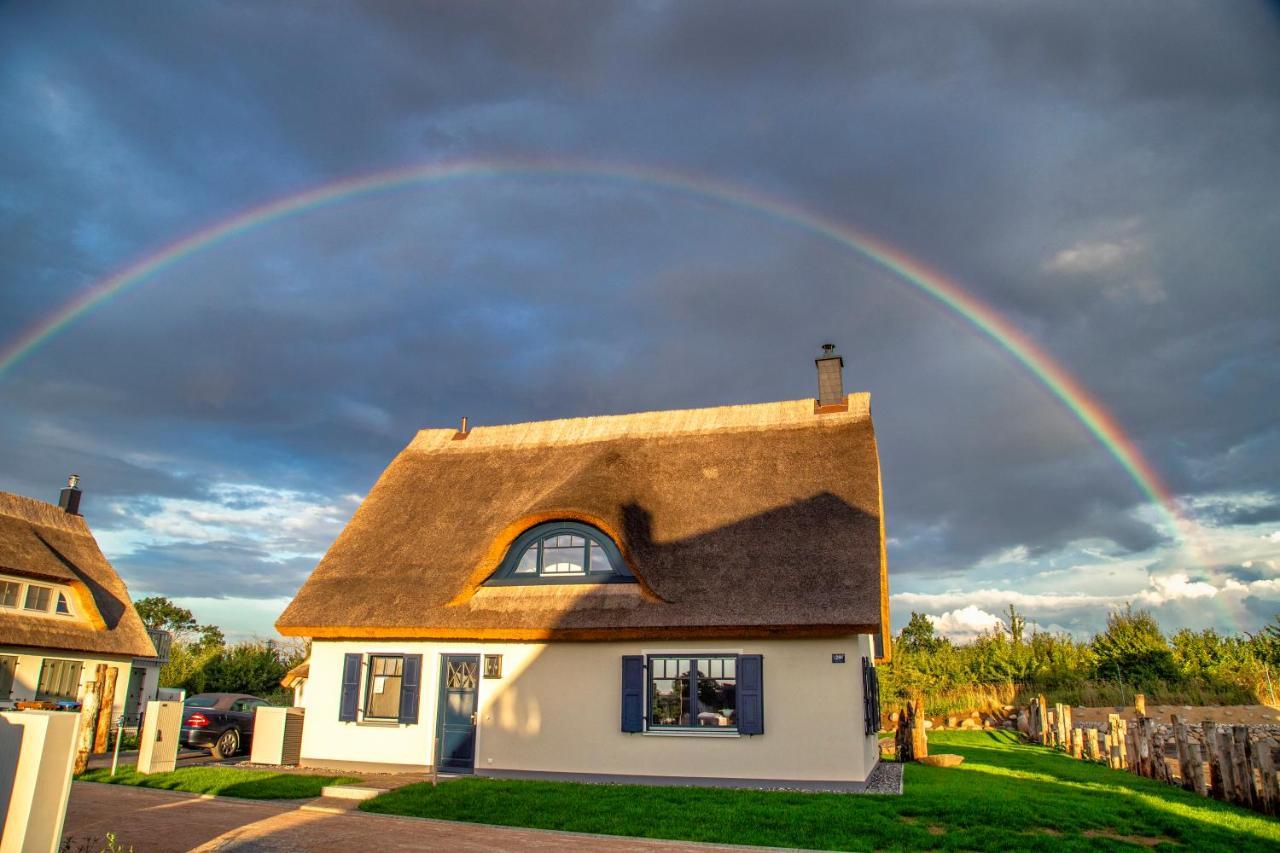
(1086,408)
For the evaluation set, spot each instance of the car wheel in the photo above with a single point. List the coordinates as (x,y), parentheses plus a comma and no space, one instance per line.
(227,745)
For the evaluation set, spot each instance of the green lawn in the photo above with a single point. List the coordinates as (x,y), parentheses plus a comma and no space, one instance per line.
(223,781)
(1005,796)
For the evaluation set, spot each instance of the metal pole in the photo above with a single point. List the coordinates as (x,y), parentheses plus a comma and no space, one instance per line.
(115,759)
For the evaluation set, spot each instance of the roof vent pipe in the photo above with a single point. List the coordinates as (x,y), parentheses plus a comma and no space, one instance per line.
(830,378)
(69,498)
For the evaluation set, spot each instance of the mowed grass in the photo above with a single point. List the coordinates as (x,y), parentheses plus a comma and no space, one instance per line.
(1006,796)
(222,781)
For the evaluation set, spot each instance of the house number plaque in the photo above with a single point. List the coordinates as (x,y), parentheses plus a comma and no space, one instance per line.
(837,657)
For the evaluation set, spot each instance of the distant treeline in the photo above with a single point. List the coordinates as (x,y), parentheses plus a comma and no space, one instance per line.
(201,661)
(1012,664)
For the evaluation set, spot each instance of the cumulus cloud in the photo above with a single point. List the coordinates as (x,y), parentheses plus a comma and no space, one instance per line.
(967,623)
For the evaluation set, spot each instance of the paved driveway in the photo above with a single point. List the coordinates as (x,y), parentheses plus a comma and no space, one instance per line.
(164,821)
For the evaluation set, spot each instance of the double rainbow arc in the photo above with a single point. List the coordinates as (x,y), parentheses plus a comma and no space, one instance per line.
(1085,407)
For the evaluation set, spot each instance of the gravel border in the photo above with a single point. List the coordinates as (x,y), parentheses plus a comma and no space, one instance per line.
(886,778)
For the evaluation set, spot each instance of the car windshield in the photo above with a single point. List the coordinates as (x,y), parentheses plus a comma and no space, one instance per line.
(202,700)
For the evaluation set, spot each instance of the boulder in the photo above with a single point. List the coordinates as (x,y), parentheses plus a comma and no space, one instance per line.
(942,759)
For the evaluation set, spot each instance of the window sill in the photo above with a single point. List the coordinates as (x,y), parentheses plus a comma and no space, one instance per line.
(380,724)
(690,733)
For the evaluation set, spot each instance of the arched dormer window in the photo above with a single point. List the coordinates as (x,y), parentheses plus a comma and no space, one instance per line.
(562,552)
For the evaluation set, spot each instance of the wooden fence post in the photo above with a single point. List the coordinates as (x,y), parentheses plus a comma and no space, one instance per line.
(1140,704)
(1184,754)
(1244,766)
(1197,770)
(1044,719)
(1264,754)
(919,740)
(1216,783)
(1227,765)
(88,727)
(105,707)
(1092,739)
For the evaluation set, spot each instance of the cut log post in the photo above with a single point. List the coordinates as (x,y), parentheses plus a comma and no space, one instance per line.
(1122,726)
(1244,766)
(1091,738)
(1184,753)
(88,727)
(1264,755)
(1215,780)
(107,704)
(919,739)
(1227,765)
(1059,726)
(1043,708)
(1197,770)
(1140,704)
(1077,743)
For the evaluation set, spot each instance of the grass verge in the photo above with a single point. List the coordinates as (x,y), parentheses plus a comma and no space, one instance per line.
(1006,796)
(222,781)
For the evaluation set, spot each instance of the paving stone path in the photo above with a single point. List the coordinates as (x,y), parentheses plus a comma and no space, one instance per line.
(167,822)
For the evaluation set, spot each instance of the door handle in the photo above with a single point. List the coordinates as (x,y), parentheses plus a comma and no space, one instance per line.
(473,718)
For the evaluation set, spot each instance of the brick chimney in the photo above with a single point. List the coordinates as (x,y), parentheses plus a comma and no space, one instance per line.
(831,396)
(69,498)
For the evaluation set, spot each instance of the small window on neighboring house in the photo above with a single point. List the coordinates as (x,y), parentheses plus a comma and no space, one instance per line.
(8,665)
(9,591)
(562,552)
(63,608)
(382,697)
(38,598)
(59,679)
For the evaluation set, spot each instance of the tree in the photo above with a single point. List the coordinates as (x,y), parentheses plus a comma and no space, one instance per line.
(160,613)
(1017,625)
(1133,649)
(919,635)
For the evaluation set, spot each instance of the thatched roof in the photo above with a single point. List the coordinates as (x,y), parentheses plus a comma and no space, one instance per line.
(40,541)
(297,674)
(740,520)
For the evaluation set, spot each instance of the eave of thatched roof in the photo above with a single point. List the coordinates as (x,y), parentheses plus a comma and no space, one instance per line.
(759,520)
(40,541)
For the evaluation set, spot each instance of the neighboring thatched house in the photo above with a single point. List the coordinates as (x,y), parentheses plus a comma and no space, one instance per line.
(63,608)
(681,594)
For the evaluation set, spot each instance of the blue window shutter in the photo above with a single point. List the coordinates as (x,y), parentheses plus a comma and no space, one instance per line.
(751,694)
(633,693)
(410,688)
(350,688)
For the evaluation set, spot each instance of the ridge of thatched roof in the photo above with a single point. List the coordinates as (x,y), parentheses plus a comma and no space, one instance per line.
(40,541)
(761,519)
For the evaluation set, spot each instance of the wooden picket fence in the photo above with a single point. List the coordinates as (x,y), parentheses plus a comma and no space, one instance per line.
(1230,768)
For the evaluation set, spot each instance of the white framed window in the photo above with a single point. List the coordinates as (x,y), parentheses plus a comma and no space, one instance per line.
(38,598)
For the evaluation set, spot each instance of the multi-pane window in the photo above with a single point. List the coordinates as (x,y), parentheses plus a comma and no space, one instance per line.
(562,550)
(38,598)
(382,693)
(62,608)
(693,692)
(9,591)
(59,679)
(8,665)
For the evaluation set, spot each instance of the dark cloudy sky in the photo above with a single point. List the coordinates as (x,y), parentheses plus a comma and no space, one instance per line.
(1106,176)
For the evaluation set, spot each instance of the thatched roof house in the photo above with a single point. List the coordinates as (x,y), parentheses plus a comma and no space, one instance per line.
(754,520)
(42,542)
(522,600)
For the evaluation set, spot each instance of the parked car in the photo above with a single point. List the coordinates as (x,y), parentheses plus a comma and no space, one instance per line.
(220,722)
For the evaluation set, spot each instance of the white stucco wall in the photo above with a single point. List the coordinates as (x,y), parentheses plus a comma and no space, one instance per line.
(27,677)
(557,709)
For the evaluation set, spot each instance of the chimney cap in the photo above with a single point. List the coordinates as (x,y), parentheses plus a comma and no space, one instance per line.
(73,481)
(829,352)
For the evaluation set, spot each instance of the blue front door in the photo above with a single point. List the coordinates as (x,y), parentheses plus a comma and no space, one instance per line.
(456,718)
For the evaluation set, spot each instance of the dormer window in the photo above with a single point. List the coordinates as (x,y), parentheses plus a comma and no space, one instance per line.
(562,552)
(38,598)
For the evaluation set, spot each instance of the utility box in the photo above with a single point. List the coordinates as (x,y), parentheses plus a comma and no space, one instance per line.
(37,754)
(158,742)
(277,736)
